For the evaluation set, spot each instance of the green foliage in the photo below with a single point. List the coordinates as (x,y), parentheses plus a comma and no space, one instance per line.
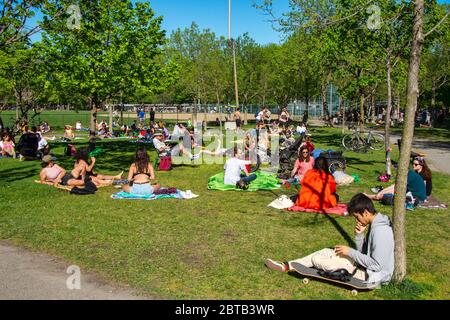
(115,52)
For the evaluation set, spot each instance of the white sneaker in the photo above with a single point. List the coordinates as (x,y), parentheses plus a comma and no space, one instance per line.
(277,266)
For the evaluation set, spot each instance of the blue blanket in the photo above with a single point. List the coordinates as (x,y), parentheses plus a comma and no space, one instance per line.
(179,195)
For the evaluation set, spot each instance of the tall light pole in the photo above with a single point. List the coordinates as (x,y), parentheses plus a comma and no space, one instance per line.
(233,43)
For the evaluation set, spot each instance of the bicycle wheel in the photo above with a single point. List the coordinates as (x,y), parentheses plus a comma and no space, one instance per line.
(376,141)
(348,141)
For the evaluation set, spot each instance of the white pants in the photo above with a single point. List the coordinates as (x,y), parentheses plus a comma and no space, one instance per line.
(326,259)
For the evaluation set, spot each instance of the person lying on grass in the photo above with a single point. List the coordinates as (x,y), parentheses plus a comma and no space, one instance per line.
(98,179)
(53,173)
(318,189)
(140,175)
(415,185)
(233,168)
(373,258)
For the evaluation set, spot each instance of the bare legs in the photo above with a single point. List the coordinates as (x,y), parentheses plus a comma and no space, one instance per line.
(379,195)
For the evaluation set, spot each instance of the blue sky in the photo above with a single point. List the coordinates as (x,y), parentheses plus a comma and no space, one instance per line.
(212,14)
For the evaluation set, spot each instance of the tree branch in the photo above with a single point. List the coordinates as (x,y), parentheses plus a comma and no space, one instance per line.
(437,25)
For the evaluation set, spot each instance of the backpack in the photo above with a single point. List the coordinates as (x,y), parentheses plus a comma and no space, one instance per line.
(242,184)
(165,163)
(341,275)
(89,188)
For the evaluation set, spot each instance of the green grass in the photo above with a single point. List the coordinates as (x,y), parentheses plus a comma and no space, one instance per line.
(214,246)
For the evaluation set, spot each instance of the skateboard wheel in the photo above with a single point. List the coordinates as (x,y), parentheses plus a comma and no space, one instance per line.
(354,293)
(305,280)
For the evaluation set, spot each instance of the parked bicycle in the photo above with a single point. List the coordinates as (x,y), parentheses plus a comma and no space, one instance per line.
(362,141)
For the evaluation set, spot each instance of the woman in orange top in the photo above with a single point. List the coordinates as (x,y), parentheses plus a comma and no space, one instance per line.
(318,189)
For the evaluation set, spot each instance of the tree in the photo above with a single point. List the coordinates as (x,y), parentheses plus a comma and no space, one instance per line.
(110,48)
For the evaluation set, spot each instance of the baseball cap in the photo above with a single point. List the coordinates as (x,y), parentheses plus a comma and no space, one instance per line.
(47,158)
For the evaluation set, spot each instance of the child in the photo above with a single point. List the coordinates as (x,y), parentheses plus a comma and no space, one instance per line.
(7,146)
(373,258)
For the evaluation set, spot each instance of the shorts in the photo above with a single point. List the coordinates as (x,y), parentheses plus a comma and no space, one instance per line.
(238,123)
(66,178)
(142,189)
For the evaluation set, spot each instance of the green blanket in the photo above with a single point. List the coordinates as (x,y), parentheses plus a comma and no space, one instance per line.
(263,181)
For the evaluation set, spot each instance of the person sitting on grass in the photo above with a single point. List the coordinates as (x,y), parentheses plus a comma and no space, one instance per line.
(318,189)
(140,175)
(175,150)
(7,146)
(308,143)
(415,184)
(233,168)
(52,173)
(82,160)
(68,132)
(373,258)
(28,144)
(304,163)
(421,167)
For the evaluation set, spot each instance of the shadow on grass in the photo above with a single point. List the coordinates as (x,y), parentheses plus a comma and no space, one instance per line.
(342,232)
(16,174)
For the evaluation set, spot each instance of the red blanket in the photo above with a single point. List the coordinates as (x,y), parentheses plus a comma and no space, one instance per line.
(340,210)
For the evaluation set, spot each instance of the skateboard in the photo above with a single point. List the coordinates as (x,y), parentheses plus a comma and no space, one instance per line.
(354,283)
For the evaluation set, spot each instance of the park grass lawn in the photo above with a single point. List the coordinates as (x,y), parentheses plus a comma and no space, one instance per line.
(214,246)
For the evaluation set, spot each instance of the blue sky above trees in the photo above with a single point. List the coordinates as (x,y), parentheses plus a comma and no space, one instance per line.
(212,14)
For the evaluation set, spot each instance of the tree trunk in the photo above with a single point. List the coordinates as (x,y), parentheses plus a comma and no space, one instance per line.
(326,112)
(93,122)
(111,107)
(387,127)
(433,95)
(362,118)
(405,152)
(343,117)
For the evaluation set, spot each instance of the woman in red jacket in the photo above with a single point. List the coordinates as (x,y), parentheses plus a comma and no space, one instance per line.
(318,189)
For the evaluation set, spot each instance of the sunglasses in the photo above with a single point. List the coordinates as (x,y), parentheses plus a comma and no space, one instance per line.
(305,152)
(416,164)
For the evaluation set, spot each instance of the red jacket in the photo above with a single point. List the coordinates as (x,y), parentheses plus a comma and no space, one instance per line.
(317,191)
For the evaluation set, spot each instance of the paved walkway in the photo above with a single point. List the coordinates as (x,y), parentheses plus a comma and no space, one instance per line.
(28,276)
(437,153)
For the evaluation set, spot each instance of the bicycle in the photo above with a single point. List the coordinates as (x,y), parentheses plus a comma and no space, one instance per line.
(361,141)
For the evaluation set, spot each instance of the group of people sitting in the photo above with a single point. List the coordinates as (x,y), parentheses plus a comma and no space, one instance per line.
(31,144)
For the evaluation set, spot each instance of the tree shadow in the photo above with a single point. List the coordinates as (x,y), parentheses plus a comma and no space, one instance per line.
(16,174)
(341,230)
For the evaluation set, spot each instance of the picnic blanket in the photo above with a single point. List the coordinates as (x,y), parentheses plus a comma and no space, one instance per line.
(58,186)
(263,181)
(340,210)
(177,195)
(432,203)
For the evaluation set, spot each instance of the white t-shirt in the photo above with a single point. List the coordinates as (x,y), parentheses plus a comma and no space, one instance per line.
(233,168)
(159,145)
(42,144)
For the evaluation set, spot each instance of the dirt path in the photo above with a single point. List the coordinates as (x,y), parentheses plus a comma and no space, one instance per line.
(26,275)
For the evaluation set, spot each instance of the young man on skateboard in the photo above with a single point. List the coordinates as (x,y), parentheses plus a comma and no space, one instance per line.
(373,258)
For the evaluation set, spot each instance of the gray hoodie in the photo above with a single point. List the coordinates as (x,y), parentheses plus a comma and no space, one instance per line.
(375,252)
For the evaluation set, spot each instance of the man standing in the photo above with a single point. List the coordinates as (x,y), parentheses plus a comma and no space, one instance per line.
(152,115)
(141,117)
(237,118)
